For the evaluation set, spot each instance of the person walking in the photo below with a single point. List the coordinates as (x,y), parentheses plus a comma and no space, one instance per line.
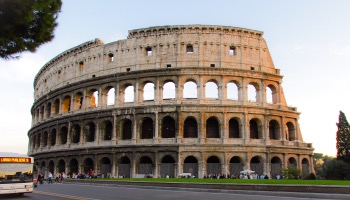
(50,178)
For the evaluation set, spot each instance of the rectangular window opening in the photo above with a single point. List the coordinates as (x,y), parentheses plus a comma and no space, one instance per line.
(232,51)
(212,65)
(168,65)
(110,57)
(189,48)
(149,51)
(81,64)
(128,69)
(252,68)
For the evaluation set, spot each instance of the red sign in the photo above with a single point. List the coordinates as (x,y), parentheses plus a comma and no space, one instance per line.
(15,160)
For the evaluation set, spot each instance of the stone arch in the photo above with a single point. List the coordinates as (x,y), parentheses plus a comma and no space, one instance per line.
(212,128)
(292,162)
(78,101)
(109,96)
(56,107)
(92,98)
(61,166)
(274,130)
(75,133)
(276,167)
(190,90)
(147,128)
(148,91)
(190,128)
(73,166)
(234,128)
(51,166)
(53,136)
(38,140)
(129,93)
(124,166)
(168,127)
(167,167)
(169,90)
(90,132)
(48,109)
(88,164)
(257,165)
(66,104)
(63,135)
(236,165)
(105,166)
(253,91)
(213,166)
(291,131)
(255,129)
(145,165)
(271,94)
(126,129)
(45,138)
(107,130)
(191,165)
(305,167)
(211,90)
(232,90)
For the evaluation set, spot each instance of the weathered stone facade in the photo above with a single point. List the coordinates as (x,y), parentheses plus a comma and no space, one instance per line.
(165,101)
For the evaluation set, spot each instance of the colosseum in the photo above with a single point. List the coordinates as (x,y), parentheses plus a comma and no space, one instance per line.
(167,100)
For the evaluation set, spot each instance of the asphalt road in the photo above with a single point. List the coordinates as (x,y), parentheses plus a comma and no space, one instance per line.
(99,192)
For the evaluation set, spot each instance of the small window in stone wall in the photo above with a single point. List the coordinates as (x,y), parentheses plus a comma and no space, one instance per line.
(81,64)
(110,57)
(232,51)
(189,48)
(212,65)
(149,51)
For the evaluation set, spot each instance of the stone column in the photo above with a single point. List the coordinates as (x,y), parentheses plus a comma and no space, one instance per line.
(69,133)
(81,139)
(97,133)
(156,128)
(114,136)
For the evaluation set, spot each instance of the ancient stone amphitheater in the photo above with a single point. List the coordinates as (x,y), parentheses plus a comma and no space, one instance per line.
(167,100)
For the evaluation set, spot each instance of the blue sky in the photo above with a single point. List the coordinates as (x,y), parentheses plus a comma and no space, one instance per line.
(308,40)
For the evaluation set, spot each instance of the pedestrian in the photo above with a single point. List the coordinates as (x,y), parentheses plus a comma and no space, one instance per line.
(50,178)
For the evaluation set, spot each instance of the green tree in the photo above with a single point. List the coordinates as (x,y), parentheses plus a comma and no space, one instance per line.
(291,173)
(343,139)
(26,24)
(334,169)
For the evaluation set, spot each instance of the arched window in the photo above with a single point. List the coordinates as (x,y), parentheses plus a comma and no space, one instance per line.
(126,129)
(110,96)
(190,128)
(48,110)
(169,90)
(108,130)
(73,166)
(274,130)
(66,104)
(292,163)
(254,129)
(56,107)
(63,135)
(88,165)
(211,90)
(168,127)
(61,166)
(45,137)
(76,134)
(90,130)
(191,165)
(234,128)
(148,92)
(53,137)
(92,98)
(190,90)
(147,128)
(271,94)
(78,101)
(252,93)
(129,94)
(232,91)
(291,131)
(212,128)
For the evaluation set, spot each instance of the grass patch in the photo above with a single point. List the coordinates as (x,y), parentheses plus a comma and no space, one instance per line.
(232,181)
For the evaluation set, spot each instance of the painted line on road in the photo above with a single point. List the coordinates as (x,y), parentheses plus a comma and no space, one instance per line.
(62,195)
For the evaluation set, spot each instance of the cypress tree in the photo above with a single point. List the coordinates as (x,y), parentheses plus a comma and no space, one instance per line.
(343,139)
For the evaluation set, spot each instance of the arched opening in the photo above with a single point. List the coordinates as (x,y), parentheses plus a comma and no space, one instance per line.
(124,167)
(56,106)
(257,165)
(169,90)
(108,130)
(66,104)
(147,128)
(291,131)
(255,132)
(63,135)
(252,93)
(92,98)
(78,101)
(271,94)
(75,134)
(276,167)
(73,166)
(48,110)
(168,127)
(39,140)
(90,131)
(45,137)
(53,137)
(236,166)
(105,167)
(212,128)
(292,163)
(234,128)
(61,166)
(148,92)
(305,167)
(167,167)
(126,129)
(52,167)
(191,166)
(145,166)
(274,130)
(190,90)
(129,94)
(232,91)
(43,167)
(213,166)
(211,90)
(87,165)
(190,128)
(110,96)
(34,142)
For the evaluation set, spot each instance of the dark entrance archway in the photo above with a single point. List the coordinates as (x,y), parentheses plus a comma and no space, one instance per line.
(276,167)
(236,165)
(257,165)
(167,167)
(190,128)
(213,166)
(52,167)
(105,167)
(305,168)
(168,127)
(145,165)
(191,165)
(212,128)
(61,166)
(88,164)
(73,166)
(124,167)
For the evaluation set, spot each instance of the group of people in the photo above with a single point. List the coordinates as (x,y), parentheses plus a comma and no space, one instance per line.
(59,177)
(235,176)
